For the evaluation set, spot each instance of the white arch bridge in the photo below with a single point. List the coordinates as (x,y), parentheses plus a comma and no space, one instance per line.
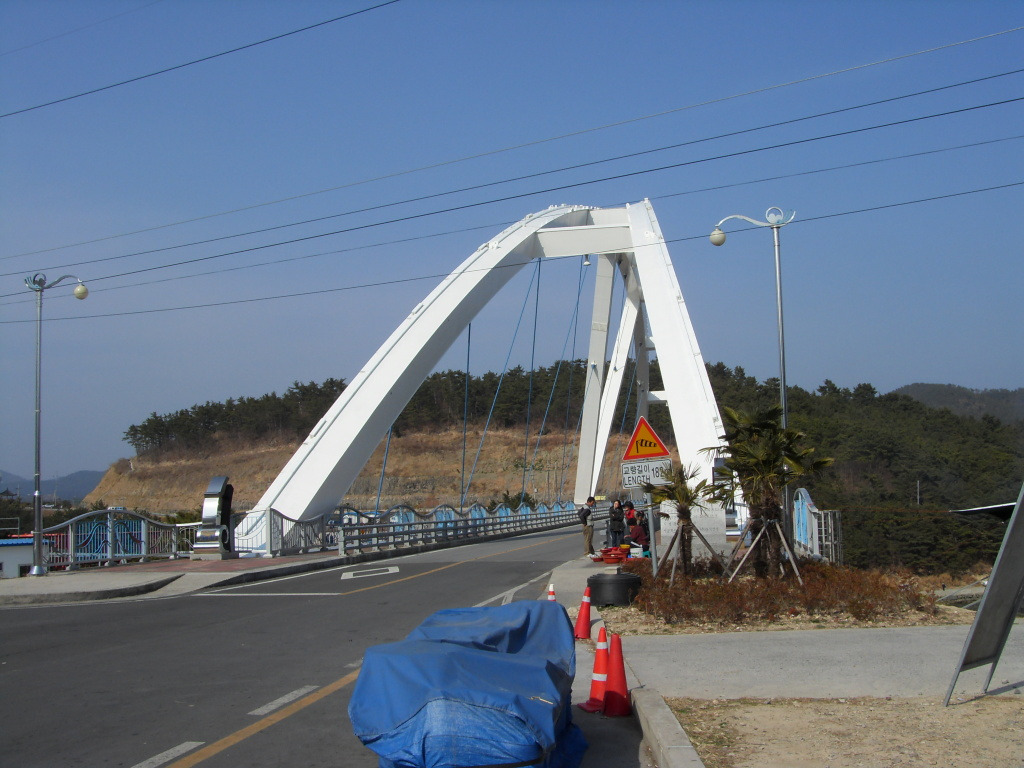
(628,246)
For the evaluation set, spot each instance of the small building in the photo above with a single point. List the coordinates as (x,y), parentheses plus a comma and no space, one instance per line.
(16,556)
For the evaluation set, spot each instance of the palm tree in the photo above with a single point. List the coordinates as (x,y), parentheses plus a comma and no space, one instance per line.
(764,458)
(686,495)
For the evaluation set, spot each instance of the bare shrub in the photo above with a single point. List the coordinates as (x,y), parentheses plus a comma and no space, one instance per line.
(835,591)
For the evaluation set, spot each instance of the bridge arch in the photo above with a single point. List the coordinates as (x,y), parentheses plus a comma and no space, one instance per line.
(624,241)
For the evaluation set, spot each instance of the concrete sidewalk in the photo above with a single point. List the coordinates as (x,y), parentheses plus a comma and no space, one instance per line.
(163,578)
(822,663)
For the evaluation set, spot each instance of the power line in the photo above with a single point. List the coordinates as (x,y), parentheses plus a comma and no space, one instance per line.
(437,276)
(79,29)
(493,226)
(530,176)
(197,61)
(563,187)
(532,143)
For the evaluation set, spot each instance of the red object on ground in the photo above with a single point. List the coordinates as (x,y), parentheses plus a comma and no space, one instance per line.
(582,630)
(616,694)
(551,592)
(599,678)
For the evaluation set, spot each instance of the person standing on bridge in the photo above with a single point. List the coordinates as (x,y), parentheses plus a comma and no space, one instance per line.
(616,523)
(630,511)
(587,518)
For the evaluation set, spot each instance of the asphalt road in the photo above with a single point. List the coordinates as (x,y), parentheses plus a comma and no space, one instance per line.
(255,675)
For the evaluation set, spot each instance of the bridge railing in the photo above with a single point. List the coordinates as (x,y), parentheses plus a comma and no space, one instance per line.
(111,536)
(402,527)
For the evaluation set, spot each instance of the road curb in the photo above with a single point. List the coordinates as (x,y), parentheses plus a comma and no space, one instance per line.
(665,737)
(43,598)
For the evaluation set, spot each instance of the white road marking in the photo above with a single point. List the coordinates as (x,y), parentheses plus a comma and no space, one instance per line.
(276,578)
(508,594)
(269,594)
(170,754)
(372,572)
(288,698)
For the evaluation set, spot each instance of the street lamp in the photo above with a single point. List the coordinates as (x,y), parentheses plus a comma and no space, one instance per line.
(38,284)
(775,218)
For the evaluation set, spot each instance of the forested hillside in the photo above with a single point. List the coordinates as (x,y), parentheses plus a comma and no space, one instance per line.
(890,451)
(1003,404)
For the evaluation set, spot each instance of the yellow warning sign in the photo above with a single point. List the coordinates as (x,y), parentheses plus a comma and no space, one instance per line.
(644,444)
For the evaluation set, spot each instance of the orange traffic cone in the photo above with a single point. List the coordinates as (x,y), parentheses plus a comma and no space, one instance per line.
(582,631)
(551,592)
(600,676)
(616,695)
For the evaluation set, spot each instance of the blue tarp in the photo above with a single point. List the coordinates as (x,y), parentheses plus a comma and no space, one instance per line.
(473,687)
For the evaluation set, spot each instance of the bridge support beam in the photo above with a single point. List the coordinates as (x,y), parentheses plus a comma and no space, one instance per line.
(628,245)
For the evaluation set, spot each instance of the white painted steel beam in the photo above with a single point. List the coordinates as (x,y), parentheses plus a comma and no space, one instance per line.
(626,241)
(687,389)
(327,463)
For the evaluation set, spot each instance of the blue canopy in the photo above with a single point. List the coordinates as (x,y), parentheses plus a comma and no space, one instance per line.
(473,687)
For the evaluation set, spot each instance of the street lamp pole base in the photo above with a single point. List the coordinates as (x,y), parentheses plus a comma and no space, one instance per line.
(37,570)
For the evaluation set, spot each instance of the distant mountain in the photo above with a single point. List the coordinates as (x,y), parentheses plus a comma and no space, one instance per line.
(73,487)
(1004,404)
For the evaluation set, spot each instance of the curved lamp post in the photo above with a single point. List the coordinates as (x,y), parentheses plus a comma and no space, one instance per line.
(38,284)
(775,218)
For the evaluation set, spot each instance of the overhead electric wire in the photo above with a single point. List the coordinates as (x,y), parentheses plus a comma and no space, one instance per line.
(503,199)
(79,29)
(502,224)
(525,177)
(559,188)
(523,145)
(197,61)
(438,276)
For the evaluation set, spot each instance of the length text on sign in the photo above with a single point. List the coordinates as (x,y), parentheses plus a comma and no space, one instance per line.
(636,474)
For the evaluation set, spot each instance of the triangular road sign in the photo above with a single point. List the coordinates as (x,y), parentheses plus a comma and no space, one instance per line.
(644,444)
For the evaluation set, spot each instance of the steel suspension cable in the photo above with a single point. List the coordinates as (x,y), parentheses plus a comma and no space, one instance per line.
(465,418)
(529,391)
(568,395)
(554,384)
(497,392)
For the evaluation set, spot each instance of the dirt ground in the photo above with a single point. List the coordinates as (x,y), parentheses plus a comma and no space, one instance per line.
(981,732)
(984,732)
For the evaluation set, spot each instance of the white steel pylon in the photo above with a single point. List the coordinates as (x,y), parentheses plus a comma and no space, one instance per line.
(624,240)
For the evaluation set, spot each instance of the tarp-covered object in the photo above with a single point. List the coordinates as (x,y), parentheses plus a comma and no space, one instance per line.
(473,687)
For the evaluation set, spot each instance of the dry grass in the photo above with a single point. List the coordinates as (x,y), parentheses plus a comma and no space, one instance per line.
(987,732)
(832,597)
(424,469)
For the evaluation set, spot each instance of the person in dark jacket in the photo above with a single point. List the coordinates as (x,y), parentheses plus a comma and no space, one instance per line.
(616,523)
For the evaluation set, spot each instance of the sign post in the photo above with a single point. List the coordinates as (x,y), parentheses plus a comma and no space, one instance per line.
(647,462)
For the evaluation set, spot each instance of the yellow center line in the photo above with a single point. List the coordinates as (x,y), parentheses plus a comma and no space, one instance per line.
(297,706)
(441,568)
(275,717)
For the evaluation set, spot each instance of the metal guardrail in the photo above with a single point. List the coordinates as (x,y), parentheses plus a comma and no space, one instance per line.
(110,536)
(348,529)
(402,527)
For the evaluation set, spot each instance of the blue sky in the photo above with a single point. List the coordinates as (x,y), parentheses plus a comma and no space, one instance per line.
(882,284)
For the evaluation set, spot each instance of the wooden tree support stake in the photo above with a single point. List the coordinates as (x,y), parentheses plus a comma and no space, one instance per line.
(736,547)
(714,555)
(747,553)
(789,552)
(668,551)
